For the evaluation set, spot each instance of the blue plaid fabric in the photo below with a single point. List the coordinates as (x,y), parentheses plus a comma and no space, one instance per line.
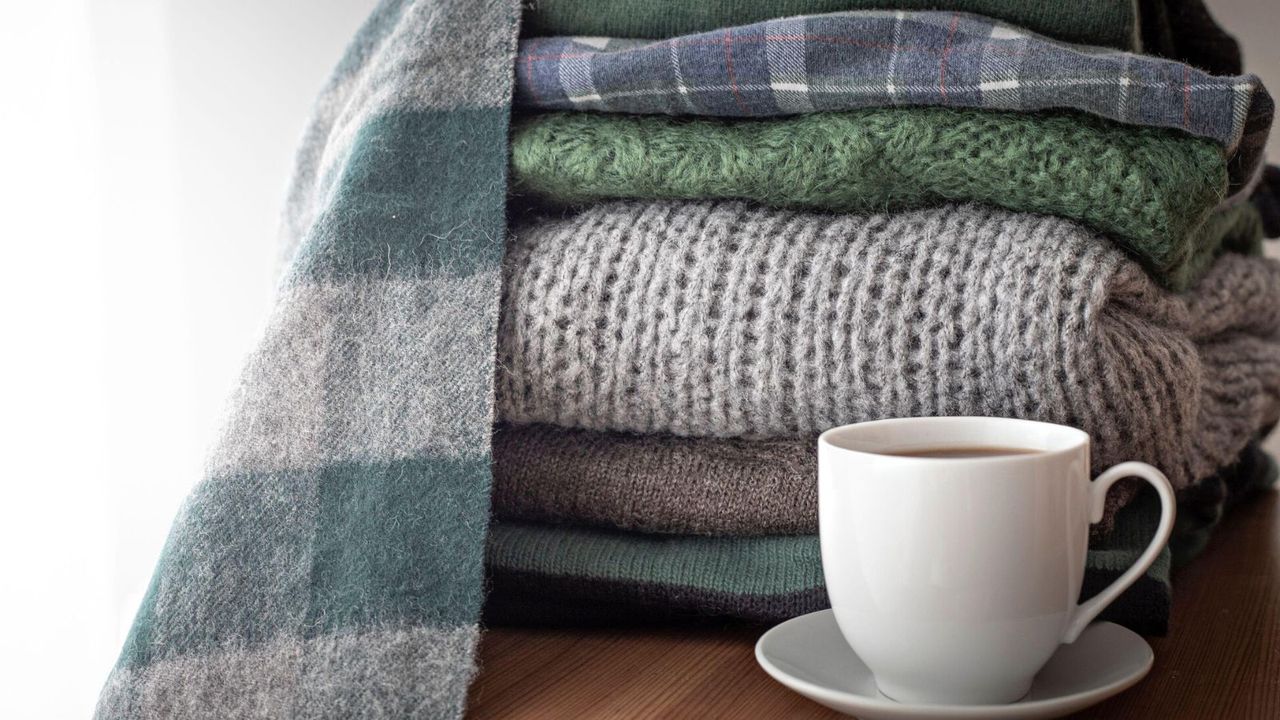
(843,61)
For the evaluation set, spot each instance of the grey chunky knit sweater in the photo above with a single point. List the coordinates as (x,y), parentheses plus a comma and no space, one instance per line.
(722,320)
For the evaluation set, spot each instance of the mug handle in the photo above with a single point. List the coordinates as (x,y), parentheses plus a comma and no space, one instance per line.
(1085,612)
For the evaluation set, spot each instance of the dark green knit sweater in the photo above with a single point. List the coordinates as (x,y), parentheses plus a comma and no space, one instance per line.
(1179,29)
(1110,23)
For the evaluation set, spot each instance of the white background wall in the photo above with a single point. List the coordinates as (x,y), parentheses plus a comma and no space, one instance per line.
(145,148)
(144,152)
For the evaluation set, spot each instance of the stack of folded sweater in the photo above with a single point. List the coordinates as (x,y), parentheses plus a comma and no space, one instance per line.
(743,222)
(735,223)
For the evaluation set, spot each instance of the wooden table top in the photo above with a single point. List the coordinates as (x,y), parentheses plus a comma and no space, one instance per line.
(1221,659)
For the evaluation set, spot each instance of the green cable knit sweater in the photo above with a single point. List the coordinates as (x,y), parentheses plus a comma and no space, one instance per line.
(1152,191)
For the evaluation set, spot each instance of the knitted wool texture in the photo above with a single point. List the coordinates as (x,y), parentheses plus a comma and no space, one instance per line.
(764,578)
(655,483)
(1111,23)
(1150,190)
(558,574)
(668,484)
(331,562)
(720,320)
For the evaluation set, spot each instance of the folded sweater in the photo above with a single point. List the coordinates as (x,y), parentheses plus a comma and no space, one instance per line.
(549,573)
(1111,23)
(1149,190)
(1179,29)
(698,486)
(846,61)
(719,320)
(655,483)
(574,575)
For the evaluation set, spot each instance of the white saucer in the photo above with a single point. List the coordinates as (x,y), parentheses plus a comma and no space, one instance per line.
(809,655)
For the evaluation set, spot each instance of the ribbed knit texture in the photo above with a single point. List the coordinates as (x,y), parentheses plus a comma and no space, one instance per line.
(767,578)
(1150,190)
(719,320)
(575,575)
(658,483)
(1179,29)
(1111,23)
(655,483)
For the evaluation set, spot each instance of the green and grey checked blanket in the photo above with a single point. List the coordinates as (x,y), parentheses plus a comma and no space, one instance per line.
(330,564)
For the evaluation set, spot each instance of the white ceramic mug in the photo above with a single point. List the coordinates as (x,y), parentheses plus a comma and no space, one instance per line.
(956,579)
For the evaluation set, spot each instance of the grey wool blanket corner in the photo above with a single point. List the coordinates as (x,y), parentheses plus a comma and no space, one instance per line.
(330,563)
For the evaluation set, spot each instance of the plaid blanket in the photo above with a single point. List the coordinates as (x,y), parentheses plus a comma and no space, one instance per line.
(866,59)
(330,564)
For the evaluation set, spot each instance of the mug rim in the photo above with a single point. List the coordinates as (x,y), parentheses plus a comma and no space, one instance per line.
(1071,439)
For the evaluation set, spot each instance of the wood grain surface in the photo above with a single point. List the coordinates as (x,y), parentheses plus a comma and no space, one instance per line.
(1221,659)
